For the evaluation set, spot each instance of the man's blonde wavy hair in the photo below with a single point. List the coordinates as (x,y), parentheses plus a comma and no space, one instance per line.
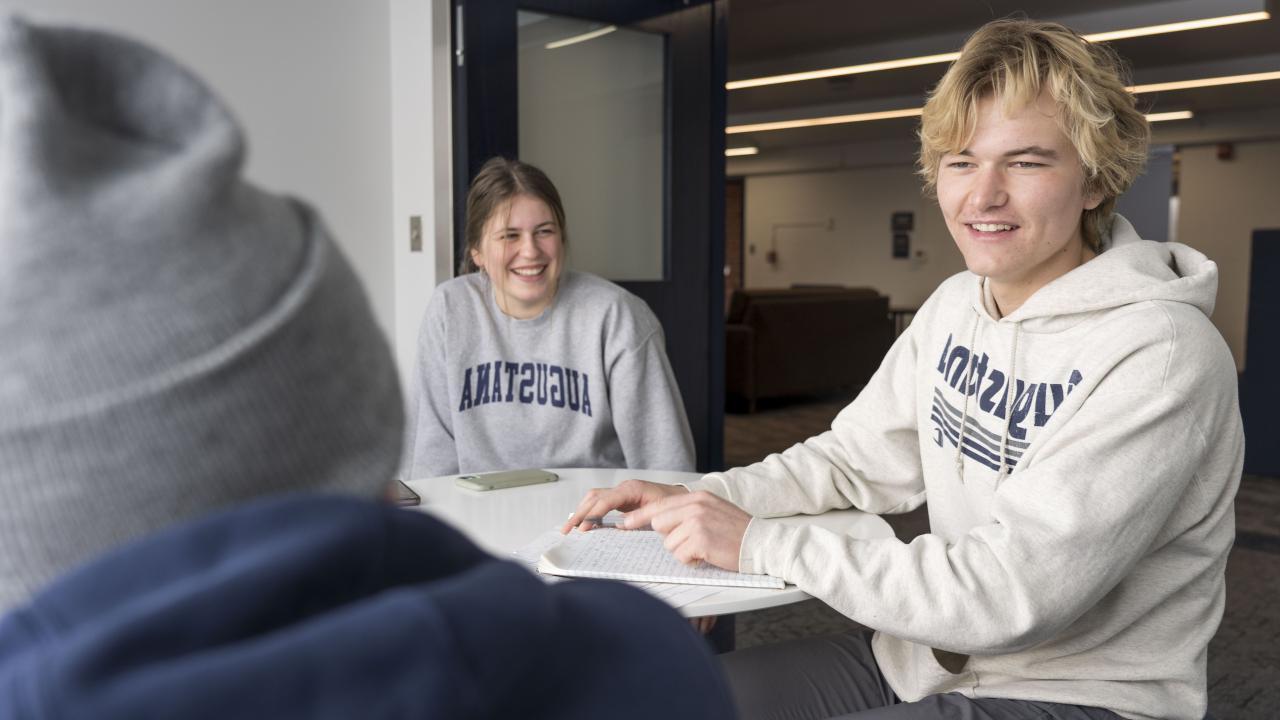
(1014,60)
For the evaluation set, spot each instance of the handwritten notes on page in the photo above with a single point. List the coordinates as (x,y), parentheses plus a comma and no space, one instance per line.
(637,556)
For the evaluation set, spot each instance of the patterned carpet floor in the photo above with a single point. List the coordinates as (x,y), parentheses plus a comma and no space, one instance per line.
(1244,657)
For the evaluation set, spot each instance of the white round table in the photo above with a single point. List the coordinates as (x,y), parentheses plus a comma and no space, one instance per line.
(502,521)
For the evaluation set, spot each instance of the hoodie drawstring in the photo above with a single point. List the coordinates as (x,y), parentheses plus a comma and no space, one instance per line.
(1008,406)
(968,382)
(1009,402)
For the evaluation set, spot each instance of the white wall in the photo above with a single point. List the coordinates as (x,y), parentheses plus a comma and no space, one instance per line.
(311,83)
(421,180)
(857,251)
(1221,203)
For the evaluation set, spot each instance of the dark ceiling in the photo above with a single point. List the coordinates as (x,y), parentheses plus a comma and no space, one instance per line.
(779,29)
(777,36)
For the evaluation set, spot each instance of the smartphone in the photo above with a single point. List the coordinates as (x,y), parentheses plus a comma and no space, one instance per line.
(505,479)
(404,495)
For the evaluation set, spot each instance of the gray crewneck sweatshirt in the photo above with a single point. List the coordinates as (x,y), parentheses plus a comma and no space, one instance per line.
(585,384)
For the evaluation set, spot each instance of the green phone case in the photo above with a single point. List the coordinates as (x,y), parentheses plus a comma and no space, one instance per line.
(504,479)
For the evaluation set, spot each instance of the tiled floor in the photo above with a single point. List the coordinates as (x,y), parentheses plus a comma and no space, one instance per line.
(1244,657)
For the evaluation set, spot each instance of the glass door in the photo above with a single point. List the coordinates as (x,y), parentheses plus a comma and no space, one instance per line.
(623,104)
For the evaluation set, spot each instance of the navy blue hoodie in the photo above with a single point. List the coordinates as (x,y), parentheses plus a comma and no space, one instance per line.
(325,607)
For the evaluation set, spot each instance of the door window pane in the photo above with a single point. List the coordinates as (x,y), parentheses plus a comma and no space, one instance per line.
(591,115)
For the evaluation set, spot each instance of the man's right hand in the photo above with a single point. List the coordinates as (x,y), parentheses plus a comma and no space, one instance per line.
(626,496)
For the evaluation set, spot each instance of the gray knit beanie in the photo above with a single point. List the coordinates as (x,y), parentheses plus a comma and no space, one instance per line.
(172,339)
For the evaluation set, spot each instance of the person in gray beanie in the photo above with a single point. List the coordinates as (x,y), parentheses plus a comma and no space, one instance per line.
(172,339)
(177,345)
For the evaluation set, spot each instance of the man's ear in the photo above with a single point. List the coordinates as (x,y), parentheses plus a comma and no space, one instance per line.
(1092,199)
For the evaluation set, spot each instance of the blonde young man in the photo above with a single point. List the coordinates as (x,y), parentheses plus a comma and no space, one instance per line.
(1065,407)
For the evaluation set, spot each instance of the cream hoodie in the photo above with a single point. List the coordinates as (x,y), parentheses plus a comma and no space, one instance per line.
(1080,523)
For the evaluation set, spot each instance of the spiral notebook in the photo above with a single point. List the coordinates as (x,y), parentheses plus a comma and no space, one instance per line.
(637,556)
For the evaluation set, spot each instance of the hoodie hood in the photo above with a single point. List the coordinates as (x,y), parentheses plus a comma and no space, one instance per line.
(303,606)
(1129,270)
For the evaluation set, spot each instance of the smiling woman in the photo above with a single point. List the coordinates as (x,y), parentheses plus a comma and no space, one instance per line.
(521,254)
(522,363)
(515,234)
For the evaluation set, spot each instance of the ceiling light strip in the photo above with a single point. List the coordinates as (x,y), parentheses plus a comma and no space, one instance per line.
(1205,82)
(740,151)
(832,120)
(837,72)
(1178,26)
(1172,115)
(888,114)
(581,38)
(948,57)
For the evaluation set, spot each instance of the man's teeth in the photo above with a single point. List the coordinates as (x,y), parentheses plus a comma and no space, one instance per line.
(528,272)
(991,227)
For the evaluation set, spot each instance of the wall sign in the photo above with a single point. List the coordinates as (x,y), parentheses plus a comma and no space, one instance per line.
(901,245)
(902,222)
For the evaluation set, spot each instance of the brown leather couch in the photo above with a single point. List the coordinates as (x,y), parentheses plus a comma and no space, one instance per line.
(803,341)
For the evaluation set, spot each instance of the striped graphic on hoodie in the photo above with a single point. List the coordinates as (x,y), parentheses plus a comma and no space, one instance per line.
(971,373)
